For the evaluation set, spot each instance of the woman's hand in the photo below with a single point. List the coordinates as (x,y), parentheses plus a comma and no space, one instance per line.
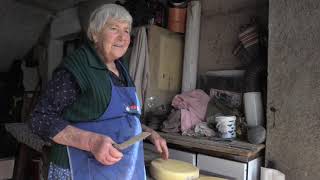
(101,147)
(160,143)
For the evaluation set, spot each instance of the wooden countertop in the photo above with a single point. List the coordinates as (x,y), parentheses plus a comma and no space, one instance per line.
(228,149)
(233,150)
(22,133)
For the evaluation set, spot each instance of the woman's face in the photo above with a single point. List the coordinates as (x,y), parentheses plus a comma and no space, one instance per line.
(113,40)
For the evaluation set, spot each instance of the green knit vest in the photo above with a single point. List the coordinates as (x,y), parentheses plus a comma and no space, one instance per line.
(93,79)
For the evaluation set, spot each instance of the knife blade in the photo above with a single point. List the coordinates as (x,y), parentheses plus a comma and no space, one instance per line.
(131,141)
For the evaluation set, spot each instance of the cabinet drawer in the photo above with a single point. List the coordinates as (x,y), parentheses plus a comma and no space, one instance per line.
(223,167)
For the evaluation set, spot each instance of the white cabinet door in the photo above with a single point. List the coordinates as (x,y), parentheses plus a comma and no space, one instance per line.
(254,169)
(223,167)
(176,154)
(183,156)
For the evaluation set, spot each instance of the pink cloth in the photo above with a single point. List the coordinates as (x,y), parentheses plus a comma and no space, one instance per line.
(193,105)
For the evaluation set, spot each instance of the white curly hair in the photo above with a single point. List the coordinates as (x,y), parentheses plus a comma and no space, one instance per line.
(101,15)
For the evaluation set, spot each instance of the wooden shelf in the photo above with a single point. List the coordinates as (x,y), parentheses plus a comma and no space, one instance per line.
(228,149)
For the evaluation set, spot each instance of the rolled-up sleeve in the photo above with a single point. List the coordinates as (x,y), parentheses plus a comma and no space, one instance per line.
(46,118)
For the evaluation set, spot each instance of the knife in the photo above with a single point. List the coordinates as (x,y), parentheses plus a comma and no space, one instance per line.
(131,141)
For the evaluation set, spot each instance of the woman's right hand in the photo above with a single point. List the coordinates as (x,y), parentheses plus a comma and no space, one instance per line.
(102,149)
(99,145)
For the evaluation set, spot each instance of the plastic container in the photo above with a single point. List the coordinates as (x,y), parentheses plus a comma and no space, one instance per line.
(177,19)
(230,80)
(226,126)
(253,109)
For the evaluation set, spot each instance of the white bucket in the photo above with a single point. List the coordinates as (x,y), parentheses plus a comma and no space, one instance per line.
(271,174)
(226,126)
(253,109)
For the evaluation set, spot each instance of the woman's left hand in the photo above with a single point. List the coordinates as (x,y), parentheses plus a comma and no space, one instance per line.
(160,143)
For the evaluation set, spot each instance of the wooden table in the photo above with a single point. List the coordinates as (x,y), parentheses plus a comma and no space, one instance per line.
(30,145)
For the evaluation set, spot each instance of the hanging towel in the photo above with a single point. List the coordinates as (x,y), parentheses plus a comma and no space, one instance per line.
(139,63)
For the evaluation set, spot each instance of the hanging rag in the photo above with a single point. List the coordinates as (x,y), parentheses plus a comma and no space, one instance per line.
(139,63)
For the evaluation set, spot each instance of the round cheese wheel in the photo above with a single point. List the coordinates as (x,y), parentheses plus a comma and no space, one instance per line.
(173,170)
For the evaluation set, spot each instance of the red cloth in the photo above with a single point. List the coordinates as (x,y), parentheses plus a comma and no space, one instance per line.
(193,105)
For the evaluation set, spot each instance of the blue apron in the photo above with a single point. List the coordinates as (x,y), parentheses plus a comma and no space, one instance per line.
(120,121)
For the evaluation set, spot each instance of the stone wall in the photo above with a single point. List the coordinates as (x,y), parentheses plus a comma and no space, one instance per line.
(293,116)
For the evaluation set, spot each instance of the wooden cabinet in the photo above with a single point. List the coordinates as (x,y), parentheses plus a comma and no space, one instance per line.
(165,60)
(234,159)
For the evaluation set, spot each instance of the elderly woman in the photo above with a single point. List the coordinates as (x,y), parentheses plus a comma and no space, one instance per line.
(91,103)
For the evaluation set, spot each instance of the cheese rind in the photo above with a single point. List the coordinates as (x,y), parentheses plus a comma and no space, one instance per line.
(173,170)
